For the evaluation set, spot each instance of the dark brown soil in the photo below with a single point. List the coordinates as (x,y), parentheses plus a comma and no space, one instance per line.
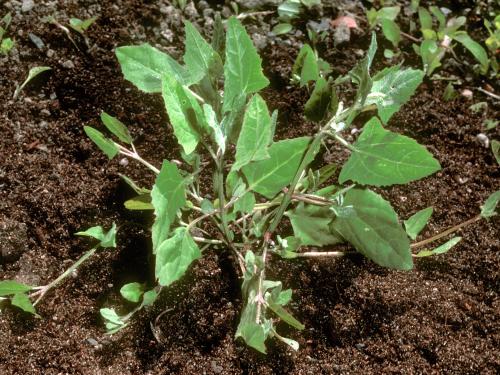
(442,317)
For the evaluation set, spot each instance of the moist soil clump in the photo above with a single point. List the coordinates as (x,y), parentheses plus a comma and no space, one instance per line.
(442,317)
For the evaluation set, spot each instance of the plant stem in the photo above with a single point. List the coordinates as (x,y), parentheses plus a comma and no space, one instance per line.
(445,233)
(134,155)
(262,276)
(317,254)
(43,290)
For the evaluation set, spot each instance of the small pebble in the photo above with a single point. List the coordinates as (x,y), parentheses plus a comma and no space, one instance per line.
(27,5)
(124,162)
(50,53)
(37,41)
(68,64)
(483,139)
(92,341)
(467,94)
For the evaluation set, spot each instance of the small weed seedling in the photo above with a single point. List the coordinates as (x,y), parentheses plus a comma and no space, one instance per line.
(290,10)
(31,75)
(216,112)
(6,44)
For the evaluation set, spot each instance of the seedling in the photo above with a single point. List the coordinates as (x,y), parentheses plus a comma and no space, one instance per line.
(32,74)
(6,44)
(290,10)
(81,26)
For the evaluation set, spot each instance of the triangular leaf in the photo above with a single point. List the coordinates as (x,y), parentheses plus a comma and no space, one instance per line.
(22,301)
(132,292)
(383,158)
(116,127)
(417,222)
(105,145)
(8,287)
(107,239)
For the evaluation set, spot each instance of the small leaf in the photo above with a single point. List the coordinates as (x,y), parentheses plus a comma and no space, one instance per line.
(360,74)
(269,176)
(139,203)
(282,28)
(289,10)
(495,148)
(145,66)
(431,55)
(388,13)
(174,256)
(306,66)
(383,158)
(488,209)
(116,127)
(22,301)
(425,19)
(254,135)
(8,287)
(316,108)
(285,316)
(245,204)
(374,230)
(474,47)
(149,297)
(105,145)
(111,316)
(207,207)
(132,292)
(133,185)
(440,249)
(218,132)
(35,71)
(391,31)
(167,197)
(107,239)
(393,87)
(254,334)
(242,69)
(417,222)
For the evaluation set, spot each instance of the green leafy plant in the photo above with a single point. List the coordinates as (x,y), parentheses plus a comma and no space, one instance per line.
(290,10)
(21,295)
(34,72)
(80,26)
(493,41)
(6,44)
(437,42)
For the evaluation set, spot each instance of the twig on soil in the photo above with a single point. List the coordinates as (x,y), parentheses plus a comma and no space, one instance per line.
(411,37)
(489,93)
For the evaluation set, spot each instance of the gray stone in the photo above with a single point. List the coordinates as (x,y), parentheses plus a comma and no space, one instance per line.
(37,41)
(68,64)
(27,5)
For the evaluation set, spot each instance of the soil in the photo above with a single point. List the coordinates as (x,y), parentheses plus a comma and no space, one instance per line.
(442,317)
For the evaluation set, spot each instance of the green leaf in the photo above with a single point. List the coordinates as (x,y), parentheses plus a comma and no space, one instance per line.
(306,66)
(373,229)
(474,47)
(81,26)
(174,256)
(391,31)
(282,28)
(167,197)
(6,45)
(207,207)
(133,185)
(311,225)
(488,209)
(252,333)
(218,132)
(495,148)
(316,108)
(269,176)
(145,66)
(110,316)
(186,115)
(439,16)
(200,58)
(242,69)
(149,297)
(35,71)
(132,292)
(8,287)
(289,10)
(285,315)
(245,204)
(440,249)
(255,134)
(22,301)
(393,87)
(105,145)
(417,222)
(425,19)
(388,13)
(139,203)
(116,127)
(383,158)
(360,74)
(431,56)
(106,239)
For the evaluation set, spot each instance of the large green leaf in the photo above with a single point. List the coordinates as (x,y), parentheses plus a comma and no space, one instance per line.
(242,69)
(174,256)
(145,66)
(8,287)
(311,224)
(382,158)
(254,135)
(105,145)
(167,197)
(186,115)
(200,58)
(417,222)
(373,229)
(392,87)
(269,176)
